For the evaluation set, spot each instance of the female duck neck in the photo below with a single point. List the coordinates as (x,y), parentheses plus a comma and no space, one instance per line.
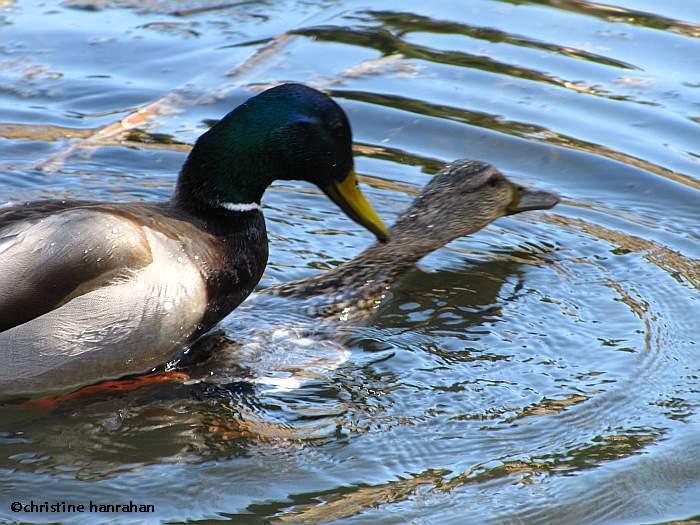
(365,277)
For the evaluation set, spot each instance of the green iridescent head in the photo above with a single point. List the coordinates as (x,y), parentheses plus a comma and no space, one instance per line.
(289,132)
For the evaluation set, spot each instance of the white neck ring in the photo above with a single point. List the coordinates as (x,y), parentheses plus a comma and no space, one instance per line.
(237,206)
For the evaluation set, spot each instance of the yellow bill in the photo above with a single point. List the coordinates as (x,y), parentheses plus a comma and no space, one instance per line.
(348,196)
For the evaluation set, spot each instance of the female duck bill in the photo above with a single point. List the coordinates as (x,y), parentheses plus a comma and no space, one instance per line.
(527,199)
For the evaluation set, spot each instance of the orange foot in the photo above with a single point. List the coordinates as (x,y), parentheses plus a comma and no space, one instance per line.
(116,385)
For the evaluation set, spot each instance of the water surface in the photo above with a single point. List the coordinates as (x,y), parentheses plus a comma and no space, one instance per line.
(544,370)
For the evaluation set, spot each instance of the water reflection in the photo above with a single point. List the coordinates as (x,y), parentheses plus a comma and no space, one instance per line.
(405,23)
(543,371)
(614,13)
(385,42)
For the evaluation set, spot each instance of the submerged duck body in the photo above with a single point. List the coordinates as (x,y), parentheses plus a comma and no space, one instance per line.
(90,291)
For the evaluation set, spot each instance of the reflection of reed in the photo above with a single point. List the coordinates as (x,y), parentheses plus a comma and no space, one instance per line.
(357,499)
(681,268)
(623,443)
(622,14)
(165,105)
(403,23)
(387,43)
(46,133)
(547,407)
(428,164)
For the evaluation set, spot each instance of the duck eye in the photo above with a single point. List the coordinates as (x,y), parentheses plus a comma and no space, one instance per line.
(493,181)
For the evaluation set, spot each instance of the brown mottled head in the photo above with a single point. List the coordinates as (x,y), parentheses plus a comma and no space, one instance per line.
(462,198)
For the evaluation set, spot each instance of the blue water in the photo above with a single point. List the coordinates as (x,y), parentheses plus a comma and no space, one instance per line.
(543,370)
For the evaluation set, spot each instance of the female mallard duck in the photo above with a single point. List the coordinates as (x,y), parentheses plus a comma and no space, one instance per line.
(461,199)
(90,291)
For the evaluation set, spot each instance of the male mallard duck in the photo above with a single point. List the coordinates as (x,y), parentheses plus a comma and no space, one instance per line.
(461,199)
(90,291)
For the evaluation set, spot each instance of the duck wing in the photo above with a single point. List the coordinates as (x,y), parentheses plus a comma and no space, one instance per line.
(54,251)
(13,213)
(96,291)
